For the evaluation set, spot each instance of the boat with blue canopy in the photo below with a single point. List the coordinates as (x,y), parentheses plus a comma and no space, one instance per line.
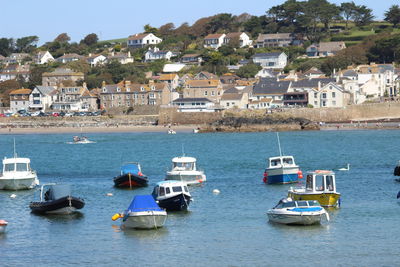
(131,176)
(143,213)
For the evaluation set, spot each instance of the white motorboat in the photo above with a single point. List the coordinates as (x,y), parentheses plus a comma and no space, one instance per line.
(143,213)
(172,195)
(302,212)
(17,174)
(81,140)
(184,169)
(170,131)
(3,225)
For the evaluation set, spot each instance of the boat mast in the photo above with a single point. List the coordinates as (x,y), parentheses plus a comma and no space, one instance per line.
(279,144)
(183,151)
(15,152)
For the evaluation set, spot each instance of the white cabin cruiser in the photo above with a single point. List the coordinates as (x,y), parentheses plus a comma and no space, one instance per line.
(302,212)
(17,174)
(172,195)
(184,169)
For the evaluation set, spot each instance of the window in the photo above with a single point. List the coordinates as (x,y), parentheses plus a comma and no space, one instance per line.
(168,190)
(162,191)
(9,167)
(324,95)
(177,189)
(309,182)
(333,103)
(324,103)
(315,95)
(319,183)
(22,167)
(329,183)
(205,93)
(333,94)
(212,93)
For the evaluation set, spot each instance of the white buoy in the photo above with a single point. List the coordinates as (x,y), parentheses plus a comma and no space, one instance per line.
(13,196)
(109,194)
(216,192)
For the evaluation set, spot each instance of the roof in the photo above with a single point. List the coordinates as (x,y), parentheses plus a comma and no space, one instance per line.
(138,36)
(189,99)
(190,55)
(73,55)
(184,159)
(173,67)
(233,34)
(262,37)
(45,90)
(231,96)
(167,77)
(312,83)
(203,83)
(331,46)
(63,72)
(272,54)
(214,36)
(271,86)
(349,73)
(21,92)
(263,100)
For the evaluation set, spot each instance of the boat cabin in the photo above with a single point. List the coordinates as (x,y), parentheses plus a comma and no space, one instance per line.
(184,164)
(281,162)
(131,167)
(321,181)
(285,203)
(16,164)
(169,188)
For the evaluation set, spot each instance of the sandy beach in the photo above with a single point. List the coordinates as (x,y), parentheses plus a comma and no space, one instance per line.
(77,130)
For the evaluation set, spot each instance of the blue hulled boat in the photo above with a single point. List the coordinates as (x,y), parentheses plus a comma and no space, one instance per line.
(131,176)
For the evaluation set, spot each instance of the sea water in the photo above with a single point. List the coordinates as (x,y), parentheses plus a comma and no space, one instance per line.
(227,229)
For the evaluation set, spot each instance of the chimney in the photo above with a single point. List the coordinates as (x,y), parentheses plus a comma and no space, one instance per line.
(295,77)
(129,53)
(112,53)
(90,54)
(103,84)
(319,85)
(127,83)
(84,85)
(151,83)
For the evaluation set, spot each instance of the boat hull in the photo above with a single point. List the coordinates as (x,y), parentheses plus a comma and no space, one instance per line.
(299,219)
(3,226)
(64,205)
(176,203)
(145,219)
(17,183)
(189,178)
(282,175)
(130,180)
(325,199)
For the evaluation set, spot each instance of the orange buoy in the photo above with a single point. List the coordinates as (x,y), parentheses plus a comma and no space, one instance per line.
(300,174)
(265,179)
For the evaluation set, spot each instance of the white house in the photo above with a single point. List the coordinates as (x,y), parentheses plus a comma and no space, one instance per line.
(43,57)
(274,60)
(142,40)
(69,58)
(242,38)
(234,98)
(214,40)
(331,95)
(121,57)
(42,97)
(157,54)
(94,60)
(194,105)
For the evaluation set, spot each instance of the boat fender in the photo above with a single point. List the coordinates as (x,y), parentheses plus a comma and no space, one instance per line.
(140,173)
(117,216)
(300,174)
(265,179)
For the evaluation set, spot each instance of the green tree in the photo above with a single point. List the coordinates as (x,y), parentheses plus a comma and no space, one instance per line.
(220,22)
(6,46)
(26,44)
(248,71)
(348,10)
(393,15)
(363,16)
(90,39)
(62,38)
(149,29)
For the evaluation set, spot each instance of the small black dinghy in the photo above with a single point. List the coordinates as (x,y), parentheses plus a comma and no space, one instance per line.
(56,199)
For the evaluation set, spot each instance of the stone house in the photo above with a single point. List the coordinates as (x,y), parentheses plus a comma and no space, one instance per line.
(274,40)
(61,75)
(234,98)
(171,79)
(142,40)
(75,98)
(121,57)
(19,99)
(211,89)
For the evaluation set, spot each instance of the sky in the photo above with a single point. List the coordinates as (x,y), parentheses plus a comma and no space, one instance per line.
(112,20)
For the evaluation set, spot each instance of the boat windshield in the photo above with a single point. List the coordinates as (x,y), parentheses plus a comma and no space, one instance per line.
(186,189)
(187,166)
(288,161)
(275,162)
(329,183)
(312,203)
(9,167)
(289,205)
(309,182)
(302,204)
(177,189)
(22,167)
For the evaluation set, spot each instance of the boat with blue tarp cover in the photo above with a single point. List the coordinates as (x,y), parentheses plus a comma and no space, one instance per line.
(143,213)
(303,212)
(56,199)
(131,176)
(172,195)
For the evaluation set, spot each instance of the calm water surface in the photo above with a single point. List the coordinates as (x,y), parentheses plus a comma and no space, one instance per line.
(229,229)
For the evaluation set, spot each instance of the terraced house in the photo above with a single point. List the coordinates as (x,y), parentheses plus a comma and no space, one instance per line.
(127,94)
(19,99)
(75,98)
(211,89)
